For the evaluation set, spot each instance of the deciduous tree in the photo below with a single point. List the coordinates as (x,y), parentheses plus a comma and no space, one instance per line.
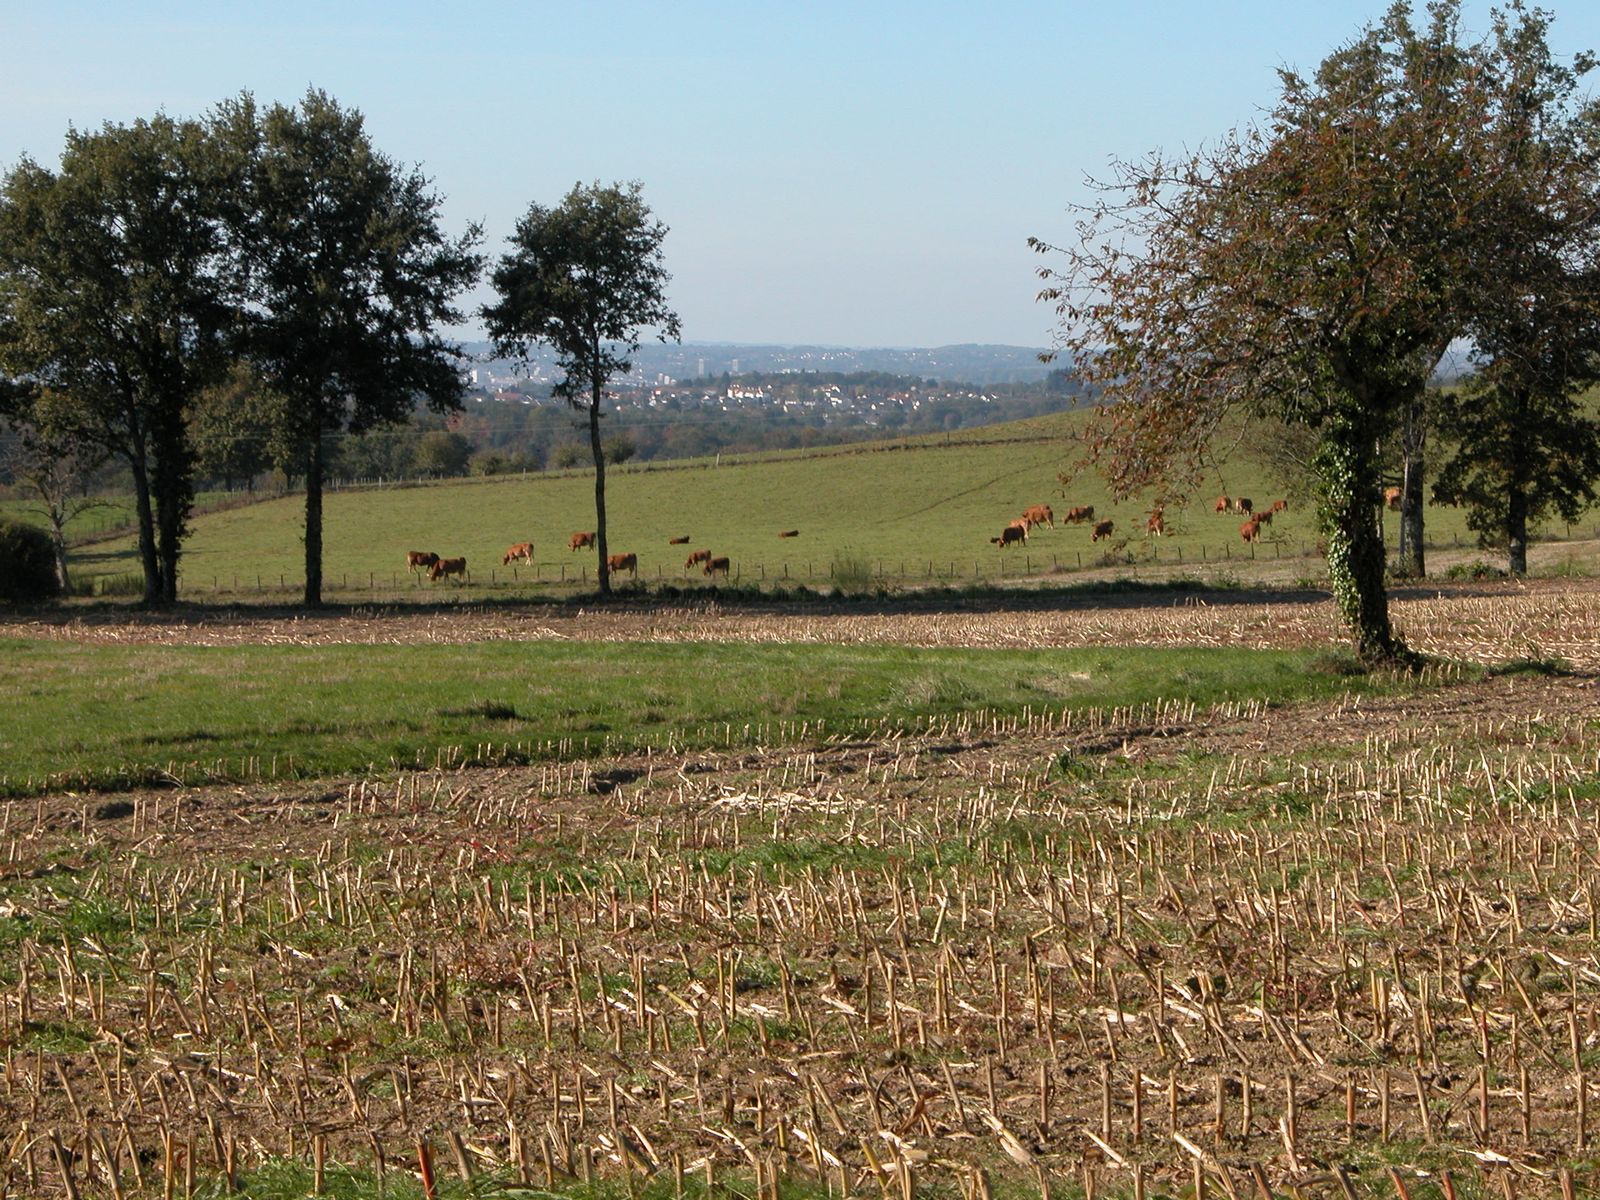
(351,279)
(116,297)
(1522,443)
(584,278)
(1315,269)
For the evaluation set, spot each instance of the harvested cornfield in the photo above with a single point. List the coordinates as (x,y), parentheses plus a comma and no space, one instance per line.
(1341,946)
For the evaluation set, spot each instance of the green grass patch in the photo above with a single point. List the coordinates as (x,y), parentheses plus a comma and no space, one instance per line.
(102,715)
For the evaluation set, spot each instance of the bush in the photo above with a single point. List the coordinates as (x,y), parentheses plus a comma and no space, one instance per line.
(30,572)
(851,573)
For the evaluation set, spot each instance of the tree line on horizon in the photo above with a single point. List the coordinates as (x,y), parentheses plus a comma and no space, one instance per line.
(274,261)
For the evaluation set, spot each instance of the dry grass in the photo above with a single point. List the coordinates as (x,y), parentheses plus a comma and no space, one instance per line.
(1349,947)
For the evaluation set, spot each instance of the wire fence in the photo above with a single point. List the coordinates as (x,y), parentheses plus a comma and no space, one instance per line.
(999,566)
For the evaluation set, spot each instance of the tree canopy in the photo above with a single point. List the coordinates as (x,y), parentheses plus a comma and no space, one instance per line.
(584,278)
(117,297)
(1314,269)
(351,279)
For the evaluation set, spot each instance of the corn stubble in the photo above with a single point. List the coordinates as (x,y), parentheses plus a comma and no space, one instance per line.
(1237,951)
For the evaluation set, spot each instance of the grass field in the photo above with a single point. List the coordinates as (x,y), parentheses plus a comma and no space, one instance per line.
(100,716)
(913,511)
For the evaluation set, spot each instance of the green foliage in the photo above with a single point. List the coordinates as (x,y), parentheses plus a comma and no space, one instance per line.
(851,572)
(351,278)
(442,454)
(584,278)
(30,564)
(115,296)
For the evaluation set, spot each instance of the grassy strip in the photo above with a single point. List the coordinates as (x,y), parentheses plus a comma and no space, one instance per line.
(96,715)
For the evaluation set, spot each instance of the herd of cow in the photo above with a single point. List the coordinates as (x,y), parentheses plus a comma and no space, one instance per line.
(1041,514)
(1155,525)
(437,568)
(1250,531)
(1017,531)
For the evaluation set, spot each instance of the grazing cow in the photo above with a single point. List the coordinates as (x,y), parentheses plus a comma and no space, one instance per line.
(1157,524)
(420,559)
(1080,514)
(1264,517)
(716,566)
(1223,504)
(448,566)
(579,540)
(683,541)
(623,562)
(1243,504)
(1102,529)
(520,550)
(699,556)
(790,533)
(1015,532)
(1280,506)
(1039,514)
(1250,531)
(1391,498)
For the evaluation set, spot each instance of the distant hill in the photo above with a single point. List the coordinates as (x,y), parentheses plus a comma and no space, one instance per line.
(975,364)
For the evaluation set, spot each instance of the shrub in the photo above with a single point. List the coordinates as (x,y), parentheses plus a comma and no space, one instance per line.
(30,574)
(851,573)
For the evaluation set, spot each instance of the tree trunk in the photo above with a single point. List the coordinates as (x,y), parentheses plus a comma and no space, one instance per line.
(58,543)
(1413,440)
(313,592)
(603,569)
(1347,471)
(147,528)
(1516,530)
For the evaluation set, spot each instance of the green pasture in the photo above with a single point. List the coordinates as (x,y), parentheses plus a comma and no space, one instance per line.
(100,715)
(915,510)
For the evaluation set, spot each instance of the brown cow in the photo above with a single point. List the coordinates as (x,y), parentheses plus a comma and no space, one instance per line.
(579,540)
(1157,524)
(420,559)
(1250,531)
(520,550)
(1080,514)
(699,556)
(1243,504)
(1391,498)
(1039,514)
(683,541)
(1280,506)
(790,533)
(448,566)
(1015,532)
(623,562)
(1102,529)
(716,566)
(1223,504)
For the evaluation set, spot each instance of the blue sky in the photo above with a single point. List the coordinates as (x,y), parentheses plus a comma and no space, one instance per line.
(846,173)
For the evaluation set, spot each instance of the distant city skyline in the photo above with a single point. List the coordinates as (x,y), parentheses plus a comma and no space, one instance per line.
(833,174)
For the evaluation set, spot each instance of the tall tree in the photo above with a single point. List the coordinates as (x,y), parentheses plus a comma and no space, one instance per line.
(1522,443)
(1314,269)
(584,278)
(351,278)
(115,294)
(232,426)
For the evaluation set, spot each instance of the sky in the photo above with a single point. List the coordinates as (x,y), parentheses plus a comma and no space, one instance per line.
(855,174)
